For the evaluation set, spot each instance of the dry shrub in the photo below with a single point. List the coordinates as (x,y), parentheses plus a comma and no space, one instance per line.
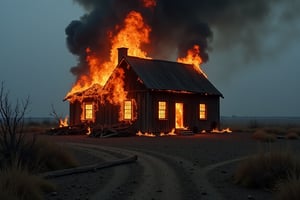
(263,136)
(292,136)
(52,156)
(265,170)
(289,189)
(20,184)
(295,130)
(277,130)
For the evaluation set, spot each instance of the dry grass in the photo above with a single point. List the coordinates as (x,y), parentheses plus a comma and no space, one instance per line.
(289,189)
(38,127)
(263,136)
(20,184)
(38,155)
(265,170)
(52,156)
(295,130)
(292,136)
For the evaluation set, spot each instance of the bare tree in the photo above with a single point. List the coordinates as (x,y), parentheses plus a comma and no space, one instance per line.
(11,128)
(54,114)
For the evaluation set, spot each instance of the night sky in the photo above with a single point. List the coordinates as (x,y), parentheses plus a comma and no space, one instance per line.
(255,65)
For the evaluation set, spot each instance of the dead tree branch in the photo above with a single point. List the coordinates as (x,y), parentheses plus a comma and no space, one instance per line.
(54,114)
(11,127)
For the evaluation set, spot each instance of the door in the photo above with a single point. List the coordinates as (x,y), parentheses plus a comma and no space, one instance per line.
(179,115)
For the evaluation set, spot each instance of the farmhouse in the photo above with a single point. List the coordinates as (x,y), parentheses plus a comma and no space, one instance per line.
(157,96)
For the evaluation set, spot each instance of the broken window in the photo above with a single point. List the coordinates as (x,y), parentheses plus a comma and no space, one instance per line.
(127,110)
(88,111)
(202,111)
(162,110)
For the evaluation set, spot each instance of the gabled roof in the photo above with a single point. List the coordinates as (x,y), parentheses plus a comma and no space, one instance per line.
(166,75)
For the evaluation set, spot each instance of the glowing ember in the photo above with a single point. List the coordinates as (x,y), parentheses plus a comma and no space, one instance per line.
(193,57)
(63,122)
(162,134)
(139,133)
(227,130)
(172,132)
(149,3)
(89,131)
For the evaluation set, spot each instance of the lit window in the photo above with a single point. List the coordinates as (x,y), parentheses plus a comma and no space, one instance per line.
(88,111)
(128,110)
(202,111)
(162,110)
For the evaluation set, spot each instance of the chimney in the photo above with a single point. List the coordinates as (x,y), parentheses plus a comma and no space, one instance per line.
(122,52)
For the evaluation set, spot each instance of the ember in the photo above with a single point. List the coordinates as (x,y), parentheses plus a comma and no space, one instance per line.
(226,130)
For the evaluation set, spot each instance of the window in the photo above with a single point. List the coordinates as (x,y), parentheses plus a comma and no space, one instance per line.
(202,111)
(127,110)
(162,110)
(88,108)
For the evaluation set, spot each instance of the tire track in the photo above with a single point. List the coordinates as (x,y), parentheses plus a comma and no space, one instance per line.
(157,179)
(155,176)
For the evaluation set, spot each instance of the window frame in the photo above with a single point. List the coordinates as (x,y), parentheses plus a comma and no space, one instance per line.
(202,111)
(162,110)
(90,111)
(126,110)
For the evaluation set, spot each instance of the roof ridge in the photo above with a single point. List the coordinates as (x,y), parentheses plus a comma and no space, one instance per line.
(158,60)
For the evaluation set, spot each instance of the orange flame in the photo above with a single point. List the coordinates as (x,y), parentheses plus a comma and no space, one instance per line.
(134,33)
(193,57)
(226,130)
(64,122)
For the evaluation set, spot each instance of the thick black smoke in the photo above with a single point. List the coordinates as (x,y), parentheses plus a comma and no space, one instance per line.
(176,25)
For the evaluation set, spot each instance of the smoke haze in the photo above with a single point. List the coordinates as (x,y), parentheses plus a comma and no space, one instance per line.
(178,25)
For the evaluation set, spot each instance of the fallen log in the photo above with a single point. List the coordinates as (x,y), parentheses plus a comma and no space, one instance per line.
(93,167)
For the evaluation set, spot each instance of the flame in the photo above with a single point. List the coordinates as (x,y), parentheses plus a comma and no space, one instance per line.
(162,134)
(89,131)
(193,57)
(179,115)
(226,130)
(64,122)
(134,33)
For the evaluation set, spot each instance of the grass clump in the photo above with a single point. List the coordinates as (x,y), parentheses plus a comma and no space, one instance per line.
(265,170)
(292,136)
(263,136)
(52,156)
(289,189)
(16,183)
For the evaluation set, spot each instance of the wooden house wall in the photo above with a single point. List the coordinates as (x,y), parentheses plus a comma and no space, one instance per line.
(149,122)
(75,113)
(107,114)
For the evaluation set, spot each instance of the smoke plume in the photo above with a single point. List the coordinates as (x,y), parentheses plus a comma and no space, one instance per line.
(175,25)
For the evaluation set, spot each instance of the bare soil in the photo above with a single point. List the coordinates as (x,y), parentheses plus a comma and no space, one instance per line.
(179,167)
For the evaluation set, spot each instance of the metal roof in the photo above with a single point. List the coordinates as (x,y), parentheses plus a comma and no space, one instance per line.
(167,75)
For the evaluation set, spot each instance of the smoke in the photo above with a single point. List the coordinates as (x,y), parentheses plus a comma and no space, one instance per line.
(177,25)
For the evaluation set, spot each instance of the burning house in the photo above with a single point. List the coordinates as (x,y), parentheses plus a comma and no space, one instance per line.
(151,95)
(126,86)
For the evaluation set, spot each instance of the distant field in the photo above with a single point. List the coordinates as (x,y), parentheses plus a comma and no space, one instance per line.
(259,122)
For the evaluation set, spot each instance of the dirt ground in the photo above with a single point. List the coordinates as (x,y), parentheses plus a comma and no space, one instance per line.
(177,167)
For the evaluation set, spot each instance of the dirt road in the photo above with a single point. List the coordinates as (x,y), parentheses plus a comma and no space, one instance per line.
(167,168)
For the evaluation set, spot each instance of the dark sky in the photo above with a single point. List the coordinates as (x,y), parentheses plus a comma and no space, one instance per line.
(259,81)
